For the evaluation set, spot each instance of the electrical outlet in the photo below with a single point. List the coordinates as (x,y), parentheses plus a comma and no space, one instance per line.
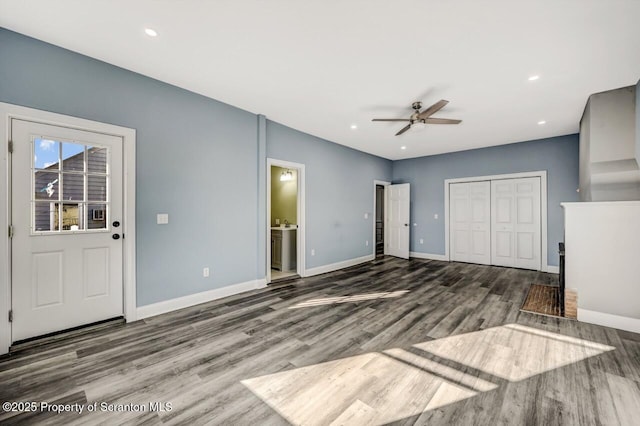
(366,243)
(421,241)
(313,252)
(205,272)
(366,215)
(435,216)
(162,218)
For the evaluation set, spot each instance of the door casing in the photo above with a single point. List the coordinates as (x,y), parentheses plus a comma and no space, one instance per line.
(542,174)
(9,112)
(300,233)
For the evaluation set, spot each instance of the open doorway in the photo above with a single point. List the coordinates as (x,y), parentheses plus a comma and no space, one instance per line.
(285,220)
(379,206)
(379,220)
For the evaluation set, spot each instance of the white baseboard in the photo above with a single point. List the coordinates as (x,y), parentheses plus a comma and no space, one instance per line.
(195,299)
(609,320)
(338,265)
(419,255)
(553,269)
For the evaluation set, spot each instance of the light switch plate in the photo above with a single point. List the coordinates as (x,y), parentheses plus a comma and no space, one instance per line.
(162,218)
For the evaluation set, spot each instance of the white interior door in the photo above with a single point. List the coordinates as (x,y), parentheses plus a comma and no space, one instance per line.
(66,212)
(398,205)
(470,222)
(515,213)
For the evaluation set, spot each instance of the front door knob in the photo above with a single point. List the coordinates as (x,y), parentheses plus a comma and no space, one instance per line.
(116,236)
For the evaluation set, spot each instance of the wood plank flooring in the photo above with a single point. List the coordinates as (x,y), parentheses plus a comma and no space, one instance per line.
(387,342)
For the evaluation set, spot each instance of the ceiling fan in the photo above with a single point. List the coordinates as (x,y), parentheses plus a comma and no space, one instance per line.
(422,117)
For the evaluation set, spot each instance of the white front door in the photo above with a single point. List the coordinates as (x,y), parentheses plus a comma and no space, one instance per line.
(515,213)
(66,212)
(398,220)
(470,222)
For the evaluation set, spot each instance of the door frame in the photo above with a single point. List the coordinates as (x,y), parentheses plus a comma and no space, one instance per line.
(542,174)
(300,202)
(373,215)
(9,112)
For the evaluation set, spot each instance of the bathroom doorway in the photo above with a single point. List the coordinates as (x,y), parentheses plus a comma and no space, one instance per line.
(285,221)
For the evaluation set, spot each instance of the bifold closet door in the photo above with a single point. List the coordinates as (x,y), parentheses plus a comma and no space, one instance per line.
(470,222)
(515,223)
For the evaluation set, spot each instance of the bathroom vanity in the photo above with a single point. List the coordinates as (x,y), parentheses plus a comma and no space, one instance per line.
(283,248)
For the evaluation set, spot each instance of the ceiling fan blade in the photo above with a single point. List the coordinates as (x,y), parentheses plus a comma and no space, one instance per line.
(390,119)
(441,121)
(433,109)
(404,129)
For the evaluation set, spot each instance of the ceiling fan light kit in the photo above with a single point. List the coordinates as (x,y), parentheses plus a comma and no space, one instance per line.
(423,117)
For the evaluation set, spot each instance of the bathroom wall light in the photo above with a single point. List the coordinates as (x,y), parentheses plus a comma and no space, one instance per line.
(285,176)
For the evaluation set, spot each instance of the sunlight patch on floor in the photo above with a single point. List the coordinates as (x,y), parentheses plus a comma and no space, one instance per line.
(513,352)
(382,387)
(349,299)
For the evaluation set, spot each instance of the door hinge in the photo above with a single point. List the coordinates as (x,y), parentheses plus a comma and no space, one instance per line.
(11,316)
(10,231)
(10,146)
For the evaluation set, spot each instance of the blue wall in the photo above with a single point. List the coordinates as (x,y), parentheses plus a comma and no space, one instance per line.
(184,144)
(188,146)
(339,185)
(558,156)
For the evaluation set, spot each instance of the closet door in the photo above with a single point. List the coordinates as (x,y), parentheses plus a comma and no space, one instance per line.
(470,222)
(515,223)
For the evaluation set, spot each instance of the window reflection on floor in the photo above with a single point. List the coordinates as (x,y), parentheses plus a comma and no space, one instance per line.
(381,387)
(349,299)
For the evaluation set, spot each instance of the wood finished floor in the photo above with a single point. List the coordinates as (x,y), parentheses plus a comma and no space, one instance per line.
(387,342)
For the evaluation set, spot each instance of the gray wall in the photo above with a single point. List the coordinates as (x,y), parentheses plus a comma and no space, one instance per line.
(339,188)
(584,155)
(608,164)
(558,156)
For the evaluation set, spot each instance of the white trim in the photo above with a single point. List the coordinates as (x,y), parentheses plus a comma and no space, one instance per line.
(301,232)
(542,174)
(339,265)
(419,255)
(198,298)
(373,214)
(553,269)
(609,320)
(599,203)
(8,112)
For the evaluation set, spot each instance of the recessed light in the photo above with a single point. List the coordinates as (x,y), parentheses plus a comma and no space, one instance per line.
(150,32)
(354,126)
(534,77)
(403,147)
(542,122)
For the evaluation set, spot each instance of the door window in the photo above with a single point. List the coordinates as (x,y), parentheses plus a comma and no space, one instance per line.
(70,187)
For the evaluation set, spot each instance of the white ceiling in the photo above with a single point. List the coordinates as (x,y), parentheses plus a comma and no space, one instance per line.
(322,65)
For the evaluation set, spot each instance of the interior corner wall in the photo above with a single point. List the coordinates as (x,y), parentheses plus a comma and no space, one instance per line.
(584,155)
(558,156)
(188,146)
(638,123)
(339,188)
